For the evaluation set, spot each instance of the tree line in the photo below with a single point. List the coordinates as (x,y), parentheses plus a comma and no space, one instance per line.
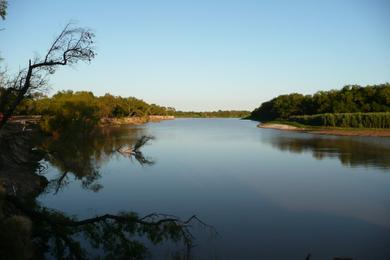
(83,110)
(85,101)
(213,114)
(349,99)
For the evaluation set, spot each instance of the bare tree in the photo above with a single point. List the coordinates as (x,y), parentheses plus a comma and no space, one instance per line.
(72,45)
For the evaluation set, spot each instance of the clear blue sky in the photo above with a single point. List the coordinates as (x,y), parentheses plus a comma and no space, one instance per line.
(207,55)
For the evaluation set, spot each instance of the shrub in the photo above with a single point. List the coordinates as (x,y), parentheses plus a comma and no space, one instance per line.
(367,120)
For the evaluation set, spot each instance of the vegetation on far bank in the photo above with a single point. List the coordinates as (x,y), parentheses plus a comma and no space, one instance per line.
(213,114)
(82,110)
(108,106)
(325,130)
(352,106)
(350,120)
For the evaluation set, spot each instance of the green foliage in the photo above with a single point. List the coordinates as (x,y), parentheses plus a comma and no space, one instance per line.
(100,107)
(367,120)
(214,114)
(68,111)
(350,99)
(111,106)
(81,111)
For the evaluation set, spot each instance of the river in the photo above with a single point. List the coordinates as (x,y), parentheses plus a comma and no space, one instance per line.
(269,194)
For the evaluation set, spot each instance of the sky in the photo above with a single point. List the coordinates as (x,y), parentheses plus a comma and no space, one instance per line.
(208,55)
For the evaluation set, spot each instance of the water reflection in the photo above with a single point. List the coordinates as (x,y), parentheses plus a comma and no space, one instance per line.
(351,151)
(266,204)
(82,156)
(29,230)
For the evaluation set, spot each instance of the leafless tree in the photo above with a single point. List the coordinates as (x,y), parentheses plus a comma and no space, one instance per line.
(72,45)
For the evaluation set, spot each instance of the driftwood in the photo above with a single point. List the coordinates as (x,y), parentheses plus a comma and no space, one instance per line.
(134,151)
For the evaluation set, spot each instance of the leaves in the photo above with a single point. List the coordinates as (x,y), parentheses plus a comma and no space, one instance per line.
(350,99)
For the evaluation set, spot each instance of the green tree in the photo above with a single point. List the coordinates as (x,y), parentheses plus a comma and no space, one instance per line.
(350,99)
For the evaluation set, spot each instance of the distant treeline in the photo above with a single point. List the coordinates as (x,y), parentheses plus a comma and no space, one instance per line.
(83,110)
(98,106)
(213,114)
(108,106)
(341,103)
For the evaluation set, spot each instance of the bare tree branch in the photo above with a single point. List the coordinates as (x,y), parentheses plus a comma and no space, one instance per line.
(72,45)
(113,227)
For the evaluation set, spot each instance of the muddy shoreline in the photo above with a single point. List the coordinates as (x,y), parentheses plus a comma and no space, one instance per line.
(329,131)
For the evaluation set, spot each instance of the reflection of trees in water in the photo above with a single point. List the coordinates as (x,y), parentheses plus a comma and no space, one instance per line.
(83,155)
(37,232)
(350,152)
(30,231)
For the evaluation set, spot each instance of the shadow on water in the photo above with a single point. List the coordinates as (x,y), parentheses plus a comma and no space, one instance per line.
(29,230)
(351,151)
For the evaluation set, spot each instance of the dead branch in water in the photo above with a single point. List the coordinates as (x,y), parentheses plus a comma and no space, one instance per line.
(142,141)
(135,152)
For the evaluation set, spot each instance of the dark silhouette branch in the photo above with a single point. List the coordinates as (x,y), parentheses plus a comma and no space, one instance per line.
(142,141)
(156,226)
(59,182)
(72,45)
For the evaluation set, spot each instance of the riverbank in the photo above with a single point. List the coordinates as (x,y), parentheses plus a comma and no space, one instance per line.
(326,130)
(133,120)
(21,121)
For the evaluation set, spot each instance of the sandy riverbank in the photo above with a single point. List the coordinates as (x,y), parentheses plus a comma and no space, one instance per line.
(329,131)
(280,127)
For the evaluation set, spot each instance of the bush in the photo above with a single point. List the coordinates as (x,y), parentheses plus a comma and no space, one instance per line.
(71,116)
(367,120)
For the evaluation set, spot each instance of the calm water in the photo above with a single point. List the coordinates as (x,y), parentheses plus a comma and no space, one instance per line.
(270,194)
